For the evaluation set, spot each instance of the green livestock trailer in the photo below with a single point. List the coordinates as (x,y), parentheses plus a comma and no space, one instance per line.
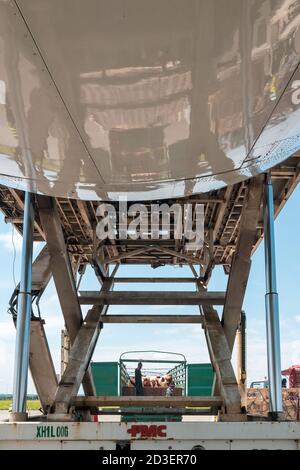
(112,379)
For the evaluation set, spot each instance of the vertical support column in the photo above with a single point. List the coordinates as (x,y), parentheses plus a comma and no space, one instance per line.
(241,359)
(23,317)
(65,351)
(272,308)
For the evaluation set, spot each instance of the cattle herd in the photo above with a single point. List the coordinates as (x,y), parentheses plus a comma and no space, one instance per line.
(153,381)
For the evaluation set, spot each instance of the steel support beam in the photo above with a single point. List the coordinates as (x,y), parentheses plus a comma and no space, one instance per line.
(101,270)
(41,275)
(221,358)
(40,360)
(79,359)
(241,372)
(225,382)
(83,209)
(41,270)
(185,257)
(272,307)
(64,351)
(151,298)
(147,401)
(62,274)
(24,316)
(198,319)
(128,254)
(241,262)
(60,265)
(146,249)
(154,280)
(41,365)
(80,355)
(21,205)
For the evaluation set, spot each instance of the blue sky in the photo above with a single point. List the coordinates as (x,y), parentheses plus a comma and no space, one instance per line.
(186,339)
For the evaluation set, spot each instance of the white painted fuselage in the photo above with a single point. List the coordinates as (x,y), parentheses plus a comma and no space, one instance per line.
(148,99)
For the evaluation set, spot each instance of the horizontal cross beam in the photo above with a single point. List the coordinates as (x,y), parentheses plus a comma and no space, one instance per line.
(195,411)
(146,401)
(152,319)
(151,298)
(157,280)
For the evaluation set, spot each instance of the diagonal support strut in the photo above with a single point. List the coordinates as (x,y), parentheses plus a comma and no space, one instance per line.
(241,262)
(80,354)
(62,274)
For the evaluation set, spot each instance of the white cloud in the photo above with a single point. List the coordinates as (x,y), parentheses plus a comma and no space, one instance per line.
(13,240)
(7,331)
(49,303)
(8,240)
(55,322)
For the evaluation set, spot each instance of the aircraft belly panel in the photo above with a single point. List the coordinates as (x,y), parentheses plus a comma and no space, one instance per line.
(146,99)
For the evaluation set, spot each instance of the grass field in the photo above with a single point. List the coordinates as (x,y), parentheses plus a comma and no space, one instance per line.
(31,404)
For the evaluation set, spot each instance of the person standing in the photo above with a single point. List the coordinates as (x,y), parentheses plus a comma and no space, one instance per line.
(170,390)
(139,389)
